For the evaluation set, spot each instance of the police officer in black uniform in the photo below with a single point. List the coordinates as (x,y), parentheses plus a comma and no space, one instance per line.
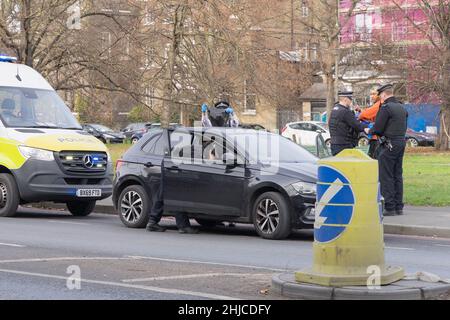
(391,125)
(344,128)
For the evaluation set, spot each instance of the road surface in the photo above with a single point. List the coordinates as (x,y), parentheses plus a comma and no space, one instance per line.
(42,253)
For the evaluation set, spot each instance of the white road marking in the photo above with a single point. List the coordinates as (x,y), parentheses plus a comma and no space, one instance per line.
(400,248)
(193,276)
(69,222)
(128,286)
(62,259)
(326,198)
(443,245)
(207,262)
(12,245)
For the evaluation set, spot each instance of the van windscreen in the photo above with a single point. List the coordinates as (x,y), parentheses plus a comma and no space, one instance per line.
(34,108)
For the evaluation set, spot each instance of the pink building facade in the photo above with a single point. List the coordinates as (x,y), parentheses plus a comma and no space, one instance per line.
(393,24)
(383,20)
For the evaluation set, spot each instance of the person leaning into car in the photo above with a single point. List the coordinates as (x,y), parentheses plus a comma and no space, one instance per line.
(343,124)
(370,115)
(157,210)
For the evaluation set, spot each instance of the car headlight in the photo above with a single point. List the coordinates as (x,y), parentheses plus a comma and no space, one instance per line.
(305,188)
(37,154)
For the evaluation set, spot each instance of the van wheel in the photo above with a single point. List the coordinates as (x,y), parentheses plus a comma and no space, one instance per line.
(81,209)
(9,195)
(134,205)
(271,216)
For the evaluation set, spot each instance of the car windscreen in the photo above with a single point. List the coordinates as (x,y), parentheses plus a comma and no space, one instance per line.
(101,128)
(264,147)
(34,108)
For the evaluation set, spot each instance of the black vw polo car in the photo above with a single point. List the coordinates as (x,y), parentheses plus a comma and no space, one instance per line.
(219,174)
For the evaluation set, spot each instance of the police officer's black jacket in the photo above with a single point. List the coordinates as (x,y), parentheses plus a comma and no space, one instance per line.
(392,120)
(343,125)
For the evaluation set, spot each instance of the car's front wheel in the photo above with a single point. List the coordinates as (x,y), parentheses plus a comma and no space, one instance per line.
(134,205)
(412,142)
(81,209)
(9,195)
(271,216)
(134,140)
(363,142)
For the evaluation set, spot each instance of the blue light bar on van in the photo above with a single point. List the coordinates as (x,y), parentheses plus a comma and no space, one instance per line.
(4,58)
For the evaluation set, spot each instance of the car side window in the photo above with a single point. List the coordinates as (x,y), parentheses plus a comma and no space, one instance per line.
(296,126)
(155,146)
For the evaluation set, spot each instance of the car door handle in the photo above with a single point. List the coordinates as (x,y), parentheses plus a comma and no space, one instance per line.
(148,165)
(174,168)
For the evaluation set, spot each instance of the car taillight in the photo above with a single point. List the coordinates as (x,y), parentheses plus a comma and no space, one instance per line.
(143,130)
(118,164)
(284,129)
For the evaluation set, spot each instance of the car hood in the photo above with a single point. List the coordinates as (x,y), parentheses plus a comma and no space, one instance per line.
(114,134)
(305,171)
(56,140)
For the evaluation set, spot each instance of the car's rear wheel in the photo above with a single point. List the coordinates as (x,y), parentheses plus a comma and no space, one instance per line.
(271,216)
(134,205)
(9,195)
(81,209)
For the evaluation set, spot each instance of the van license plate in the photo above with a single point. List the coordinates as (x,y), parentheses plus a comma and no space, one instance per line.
(89,193)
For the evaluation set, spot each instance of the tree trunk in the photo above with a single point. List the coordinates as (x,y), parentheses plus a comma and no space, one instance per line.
(330,93)
(444,133)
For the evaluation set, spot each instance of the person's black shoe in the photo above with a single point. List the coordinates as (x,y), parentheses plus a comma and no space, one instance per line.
(389,213)
(399,212)
(188,230)
(154,227)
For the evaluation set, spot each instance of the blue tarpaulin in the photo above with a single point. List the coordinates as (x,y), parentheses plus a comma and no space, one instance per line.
(422,116)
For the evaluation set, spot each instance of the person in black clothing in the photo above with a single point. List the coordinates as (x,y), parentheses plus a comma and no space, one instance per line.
(157,210)
(391,125)
(344,127)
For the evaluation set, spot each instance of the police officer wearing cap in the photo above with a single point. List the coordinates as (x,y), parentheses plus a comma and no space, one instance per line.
(343,124)
(391,125)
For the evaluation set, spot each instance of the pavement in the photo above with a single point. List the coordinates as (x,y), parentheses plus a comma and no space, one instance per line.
(40,249)
(416,221)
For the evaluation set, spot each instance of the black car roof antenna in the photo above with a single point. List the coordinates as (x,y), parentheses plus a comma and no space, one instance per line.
(18,75)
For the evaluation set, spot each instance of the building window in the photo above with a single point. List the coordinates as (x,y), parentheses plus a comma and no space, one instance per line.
(399,31)
(314,52)
(149,94)
(249,99)
(305,9)
(105,39)
(363,27)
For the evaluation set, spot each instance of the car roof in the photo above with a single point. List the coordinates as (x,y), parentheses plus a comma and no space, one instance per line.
(221,129)
(29,78)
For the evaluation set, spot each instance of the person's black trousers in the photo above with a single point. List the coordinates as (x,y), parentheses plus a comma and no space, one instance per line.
(336,148)
(157,210)
(391,174)
(373,146)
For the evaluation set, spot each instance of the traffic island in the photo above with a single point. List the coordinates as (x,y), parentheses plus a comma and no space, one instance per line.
(286,285)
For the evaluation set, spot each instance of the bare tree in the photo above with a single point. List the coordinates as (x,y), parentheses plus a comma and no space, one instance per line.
(429,62)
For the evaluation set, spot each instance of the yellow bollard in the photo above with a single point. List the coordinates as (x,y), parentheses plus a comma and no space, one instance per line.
(348,232)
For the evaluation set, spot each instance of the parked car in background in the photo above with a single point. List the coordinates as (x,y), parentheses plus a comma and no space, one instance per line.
(413,139)
(149,127)
(103,133)
(306,132)
(133,128)
(253,126)
(232,184)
